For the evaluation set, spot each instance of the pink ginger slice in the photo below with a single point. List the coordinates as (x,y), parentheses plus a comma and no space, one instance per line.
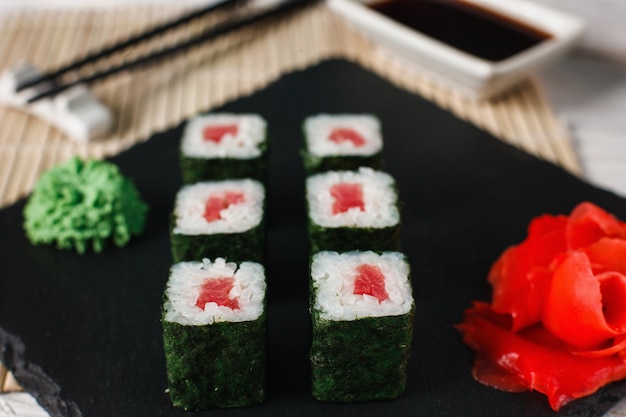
(216,291)
(215,133)
(370,281)
(218,202)
(342,134)
(347,195)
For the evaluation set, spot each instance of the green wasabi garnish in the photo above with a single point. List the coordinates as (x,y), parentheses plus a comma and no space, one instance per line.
(82,203)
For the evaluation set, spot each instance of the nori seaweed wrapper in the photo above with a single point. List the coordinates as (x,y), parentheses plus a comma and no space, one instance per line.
(209,169)
(315,164)
(216,365)
(235,247)
(360,360)
(345,239)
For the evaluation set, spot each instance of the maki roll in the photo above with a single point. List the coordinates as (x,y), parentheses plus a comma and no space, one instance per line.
(334,142)
(219,219)
(353,210)
(362,312)
(214,334)
(221,146)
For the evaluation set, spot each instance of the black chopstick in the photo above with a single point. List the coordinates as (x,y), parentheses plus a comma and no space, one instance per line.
(283,7)
(154,31)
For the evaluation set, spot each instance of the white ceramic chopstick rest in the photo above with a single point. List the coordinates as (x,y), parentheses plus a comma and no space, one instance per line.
(76,112)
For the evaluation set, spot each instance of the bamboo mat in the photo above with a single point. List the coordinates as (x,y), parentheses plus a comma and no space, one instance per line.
(153,99)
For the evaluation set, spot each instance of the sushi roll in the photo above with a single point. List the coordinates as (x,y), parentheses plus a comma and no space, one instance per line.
(221,146)
(214,334)
(353,210)
(362,313)
(219,219)
(335,142)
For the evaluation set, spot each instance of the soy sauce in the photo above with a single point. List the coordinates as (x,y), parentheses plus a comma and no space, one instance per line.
(465,26)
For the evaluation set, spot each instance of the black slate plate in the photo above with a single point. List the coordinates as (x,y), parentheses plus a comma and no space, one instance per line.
(92,321)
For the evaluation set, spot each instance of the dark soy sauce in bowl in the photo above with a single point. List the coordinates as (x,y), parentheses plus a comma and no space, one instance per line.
(466,26)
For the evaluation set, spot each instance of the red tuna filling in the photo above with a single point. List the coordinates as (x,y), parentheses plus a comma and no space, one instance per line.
(370,281)
(347,196)
(216,291)
(215,133)
(341,134)
(218,202)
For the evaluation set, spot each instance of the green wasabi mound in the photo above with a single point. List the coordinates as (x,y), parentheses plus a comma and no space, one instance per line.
(79,204)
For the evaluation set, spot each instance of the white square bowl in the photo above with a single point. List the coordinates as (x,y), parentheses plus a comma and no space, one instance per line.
(472,76)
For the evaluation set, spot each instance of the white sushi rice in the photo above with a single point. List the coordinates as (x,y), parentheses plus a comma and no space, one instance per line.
(317,130)
(191,200)
(379,198)
(187,278)
(251,133)
(333,276)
